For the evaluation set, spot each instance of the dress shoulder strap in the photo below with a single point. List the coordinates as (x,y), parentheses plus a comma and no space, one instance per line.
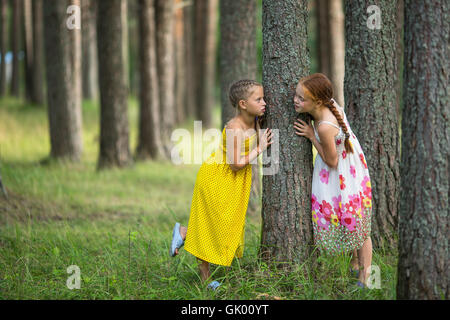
(330,123)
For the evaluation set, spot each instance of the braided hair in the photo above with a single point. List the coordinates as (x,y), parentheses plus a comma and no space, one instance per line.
(319,87)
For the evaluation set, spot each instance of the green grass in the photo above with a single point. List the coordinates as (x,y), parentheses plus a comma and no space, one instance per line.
(116,226)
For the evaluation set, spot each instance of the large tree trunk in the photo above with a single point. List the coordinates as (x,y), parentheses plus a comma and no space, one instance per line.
(237,48)
(287,233)
(238,61)
(89,44)
(37,93)
(423,269)
(15,39)
(337,49)
(190,101)
(149,144)
(399,54)
(323,37)
(331,44)
(180,70)
(125,46)
(3,44)
(114,131)
(205,45)
(166,68)
(76,56)
(27,16)
(64,108)
(371,106)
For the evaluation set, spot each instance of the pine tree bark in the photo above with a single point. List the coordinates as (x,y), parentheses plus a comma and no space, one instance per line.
(64,108)
(337,51)
(205,45)
(287,233)
(149,145)
(3,44)
(237,48)
(114,131)
(125,46)
(371,107)
(238,61)
(188,17)
(331,44)
(423,269)
(323,37)
(37,93)
(166,68)
(89,45)
(15,39)
(180,70)
(27,17)
(76,57)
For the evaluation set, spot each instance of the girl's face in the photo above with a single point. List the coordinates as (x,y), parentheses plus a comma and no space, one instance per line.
(255,104)
(303,103)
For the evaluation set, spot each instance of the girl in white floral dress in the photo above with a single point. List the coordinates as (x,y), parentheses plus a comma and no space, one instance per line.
(341,190)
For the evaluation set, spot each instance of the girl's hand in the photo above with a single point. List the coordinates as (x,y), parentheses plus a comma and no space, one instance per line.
(304,129)
(266,140)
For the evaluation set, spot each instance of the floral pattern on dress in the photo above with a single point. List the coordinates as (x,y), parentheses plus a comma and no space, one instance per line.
(324,176)
(341,199)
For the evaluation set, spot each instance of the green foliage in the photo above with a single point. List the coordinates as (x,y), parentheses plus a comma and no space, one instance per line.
(116,226)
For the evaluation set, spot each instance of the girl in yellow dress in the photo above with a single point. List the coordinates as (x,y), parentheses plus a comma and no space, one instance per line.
(215,231)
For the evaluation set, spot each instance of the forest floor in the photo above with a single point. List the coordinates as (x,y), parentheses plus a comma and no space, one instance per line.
(116,226)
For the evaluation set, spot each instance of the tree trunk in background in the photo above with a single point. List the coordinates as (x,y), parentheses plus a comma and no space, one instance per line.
(76,57)
(15,39)
(371,107)
(114,131)
(287,232)
(37,94)
(337,49)
(205,55)
(323,37)
(27,16)
(188,18)
(237,48)
(125,46)
(3,44)
(89,45)
(133,50)
(149,144)
(64,109)
(180,52)
(423,269)
(238,61)
(166,68)
(399,54)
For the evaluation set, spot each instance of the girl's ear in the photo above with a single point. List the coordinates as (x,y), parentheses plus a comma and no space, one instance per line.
(242,104)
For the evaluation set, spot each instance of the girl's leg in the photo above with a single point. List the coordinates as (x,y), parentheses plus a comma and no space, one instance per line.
(203,266)
(204,270)
(365,260)
(354,262)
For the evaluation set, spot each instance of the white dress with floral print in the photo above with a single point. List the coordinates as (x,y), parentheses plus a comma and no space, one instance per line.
(341,197)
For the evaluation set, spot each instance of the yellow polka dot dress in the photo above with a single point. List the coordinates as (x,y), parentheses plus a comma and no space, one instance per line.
(219,204)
